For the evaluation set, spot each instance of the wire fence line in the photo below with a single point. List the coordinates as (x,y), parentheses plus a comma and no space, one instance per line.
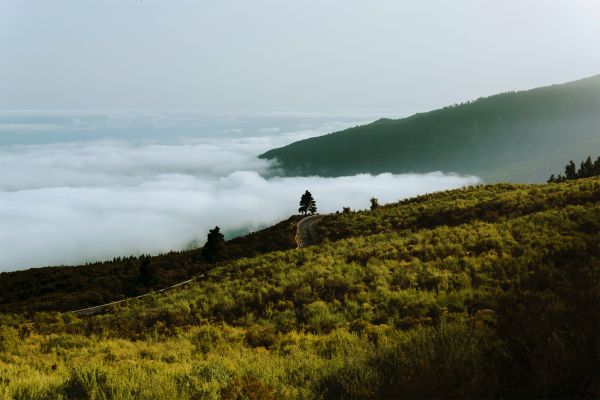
(97,309)
(310,220)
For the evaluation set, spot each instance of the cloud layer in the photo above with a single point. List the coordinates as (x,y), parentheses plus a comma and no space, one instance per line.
(69,203)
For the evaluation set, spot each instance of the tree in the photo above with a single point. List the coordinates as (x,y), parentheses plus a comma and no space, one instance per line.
(571,170)
(312,208)
(374,203)
(597,167)
(148,274)
(214,248)
(307,204)
(586,169)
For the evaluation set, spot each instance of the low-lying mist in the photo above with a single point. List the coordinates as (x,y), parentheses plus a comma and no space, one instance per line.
(70,203)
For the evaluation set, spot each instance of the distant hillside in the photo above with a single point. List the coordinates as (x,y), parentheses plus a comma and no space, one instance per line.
(515,136)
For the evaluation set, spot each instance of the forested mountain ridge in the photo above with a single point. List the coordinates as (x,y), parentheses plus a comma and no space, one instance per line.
(514,136)
(482,292)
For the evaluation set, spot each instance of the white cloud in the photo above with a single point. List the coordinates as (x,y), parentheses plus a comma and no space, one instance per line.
(68,203)
(20,127)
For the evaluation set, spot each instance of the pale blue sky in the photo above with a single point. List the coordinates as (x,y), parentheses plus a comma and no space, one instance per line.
(330,53)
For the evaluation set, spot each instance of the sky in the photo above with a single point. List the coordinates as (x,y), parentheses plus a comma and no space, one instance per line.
(132,127)
(414,55)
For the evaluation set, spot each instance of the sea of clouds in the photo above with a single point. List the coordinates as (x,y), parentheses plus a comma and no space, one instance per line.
(105,189)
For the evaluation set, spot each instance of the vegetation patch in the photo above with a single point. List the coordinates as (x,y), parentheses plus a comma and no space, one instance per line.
(488,291)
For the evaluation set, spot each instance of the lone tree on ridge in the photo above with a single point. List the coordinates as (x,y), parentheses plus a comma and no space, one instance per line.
(307,204)
(374,203)
(214,248)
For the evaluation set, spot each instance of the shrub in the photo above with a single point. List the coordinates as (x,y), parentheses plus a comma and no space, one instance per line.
(207,338)
(61,342)
(249,388)
(9,339)
(87,383)
(260,336)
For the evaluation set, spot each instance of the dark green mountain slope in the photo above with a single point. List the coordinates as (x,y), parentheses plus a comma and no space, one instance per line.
(515,136)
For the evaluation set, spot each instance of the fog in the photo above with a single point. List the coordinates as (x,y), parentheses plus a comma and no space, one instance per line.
(79,201)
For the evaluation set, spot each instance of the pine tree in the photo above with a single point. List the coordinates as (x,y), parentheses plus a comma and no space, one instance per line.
(571,171)
(312,207)
(374,203)
(214,248)
(597,167)
(307,204)
(148,274)
(586,168)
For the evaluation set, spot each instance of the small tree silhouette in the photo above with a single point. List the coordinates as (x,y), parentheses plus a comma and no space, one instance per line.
(374,203)
(586,169)
(312,208)
(148,274)
(571,170)
(214,248)
(307,204)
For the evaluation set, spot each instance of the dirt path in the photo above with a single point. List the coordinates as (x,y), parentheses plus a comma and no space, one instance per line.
(305,235)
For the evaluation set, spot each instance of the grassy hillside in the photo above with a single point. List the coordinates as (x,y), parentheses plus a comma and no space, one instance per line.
(489,291)
(70,288)
(489,203)
(515,136)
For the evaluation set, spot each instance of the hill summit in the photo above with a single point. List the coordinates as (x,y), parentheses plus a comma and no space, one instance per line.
(514,136)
